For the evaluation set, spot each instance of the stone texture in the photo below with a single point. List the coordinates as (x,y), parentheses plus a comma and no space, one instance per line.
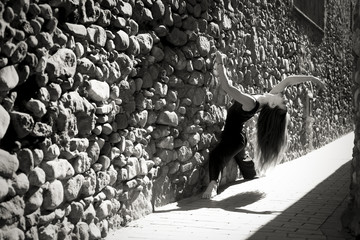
(103,179)
(168,118)
(32,233)
(9,78)
(81,163)
(97,35)
(54,90)
(9,164)
(26,160)
(19,53)
(65,231)
(89,213)
(37,177)
(58,169)
(38,155)
(73,101)
(104,209)
(125,9)
(21,184)
(99,91)
(203,45)
(51,151)
(4,121)
(11,210)
(94,232)
(121,40)
(72,187)
(41,130)
(77,210)
(36,107)
(76,30)
(177,37)
(93,151)
(62,63)
(23,123)
(89,184)
(13,234)
(4,188)
(48,232)
(53,195)
(146,42)
(34,200)
(82,230)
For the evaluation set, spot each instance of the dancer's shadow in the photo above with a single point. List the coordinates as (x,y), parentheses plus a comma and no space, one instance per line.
(234,203)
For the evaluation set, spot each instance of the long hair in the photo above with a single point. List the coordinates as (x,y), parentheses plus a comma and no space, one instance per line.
(271,137)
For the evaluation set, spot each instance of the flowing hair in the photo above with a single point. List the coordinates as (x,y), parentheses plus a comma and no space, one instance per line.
(272,136)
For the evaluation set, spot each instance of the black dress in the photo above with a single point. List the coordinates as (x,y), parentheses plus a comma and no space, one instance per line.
(232,144)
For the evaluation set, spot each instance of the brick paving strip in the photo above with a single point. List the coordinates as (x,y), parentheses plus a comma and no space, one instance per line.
(300,199)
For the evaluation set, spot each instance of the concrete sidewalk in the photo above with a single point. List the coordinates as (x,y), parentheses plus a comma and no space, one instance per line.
(301,199)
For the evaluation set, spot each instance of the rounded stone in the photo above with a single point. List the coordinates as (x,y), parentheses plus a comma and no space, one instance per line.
(58,169)
(98,91)
(34,200)
(4,188)
(37,177)
(9,78)
(36,107)
(4,121)
(21,184)
(73,186)
(53,195)
(146,42)
(23,123)
(9,164)
(121,40)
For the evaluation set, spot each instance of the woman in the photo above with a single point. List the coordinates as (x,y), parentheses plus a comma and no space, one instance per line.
(272,135)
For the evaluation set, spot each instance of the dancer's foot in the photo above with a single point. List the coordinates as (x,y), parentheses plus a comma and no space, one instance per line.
(211,190)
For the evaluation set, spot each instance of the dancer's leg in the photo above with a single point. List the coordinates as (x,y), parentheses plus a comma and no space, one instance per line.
(218,158)
(246,165)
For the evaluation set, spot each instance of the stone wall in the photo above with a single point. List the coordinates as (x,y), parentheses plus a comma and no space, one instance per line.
(109,108)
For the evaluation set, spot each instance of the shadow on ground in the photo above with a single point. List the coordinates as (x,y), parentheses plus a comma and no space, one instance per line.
(233,203)
(313,216)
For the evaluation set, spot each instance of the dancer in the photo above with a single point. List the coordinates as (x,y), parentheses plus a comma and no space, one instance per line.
(272,134)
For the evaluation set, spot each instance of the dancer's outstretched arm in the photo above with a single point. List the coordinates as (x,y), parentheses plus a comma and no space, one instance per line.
(248,102)
(294,80)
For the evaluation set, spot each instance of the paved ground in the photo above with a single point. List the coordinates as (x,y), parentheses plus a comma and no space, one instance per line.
(301,199)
